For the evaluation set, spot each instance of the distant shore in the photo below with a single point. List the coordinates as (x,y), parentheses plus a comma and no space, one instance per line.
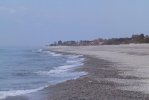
(116,72)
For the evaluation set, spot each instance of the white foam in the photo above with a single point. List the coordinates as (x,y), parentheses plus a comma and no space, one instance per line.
(55,54)
(48,52)
(52,53)
(60,69)
(70,61)
(5,94)
(74,56)
(39,50)
(75,59)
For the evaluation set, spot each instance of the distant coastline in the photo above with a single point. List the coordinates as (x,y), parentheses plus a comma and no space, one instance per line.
(136,38)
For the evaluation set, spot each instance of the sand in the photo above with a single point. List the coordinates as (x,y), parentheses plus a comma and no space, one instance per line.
(131,60)
(94,86)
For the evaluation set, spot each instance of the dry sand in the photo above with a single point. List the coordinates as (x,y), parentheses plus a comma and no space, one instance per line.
(132,60)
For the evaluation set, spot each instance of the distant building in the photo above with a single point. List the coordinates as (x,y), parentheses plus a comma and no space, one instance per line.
(138,38)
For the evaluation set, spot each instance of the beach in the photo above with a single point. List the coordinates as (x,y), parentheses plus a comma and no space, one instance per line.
(74,50)
(115,72)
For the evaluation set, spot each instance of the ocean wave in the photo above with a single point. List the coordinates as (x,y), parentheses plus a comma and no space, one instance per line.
(74,56)
(59,73)
(51,53)
(54,54)
(60,69)
(5,94)
(39,50)
(72,61)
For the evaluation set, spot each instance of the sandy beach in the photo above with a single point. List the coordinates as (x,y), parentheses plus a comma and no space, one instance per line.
(116,72)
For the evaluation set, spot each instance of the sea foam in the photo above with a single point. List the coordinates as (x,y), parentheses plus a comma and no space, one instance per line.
(72,62)
(60,69)
(49,52)
(5,94)
(52,53)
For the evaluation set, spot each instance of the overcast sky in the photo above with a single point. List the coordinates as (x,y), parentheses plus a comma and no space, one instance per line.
(37,22)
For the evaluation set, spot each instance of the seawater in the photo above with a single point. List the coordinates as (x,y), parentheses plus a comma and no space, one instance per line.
(24,71)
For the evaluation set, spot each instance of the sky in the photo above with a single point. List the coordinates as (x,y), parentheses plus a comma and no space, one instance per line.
(38,22)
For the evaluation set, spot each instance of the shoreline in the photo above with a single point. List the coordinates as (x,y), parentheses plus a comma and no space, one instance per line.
(97,84)
(32,95)
(94,86)
(130,60)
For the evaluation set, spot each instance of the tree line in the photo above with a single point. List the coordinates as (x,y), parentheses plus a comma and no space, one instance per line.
(136,38)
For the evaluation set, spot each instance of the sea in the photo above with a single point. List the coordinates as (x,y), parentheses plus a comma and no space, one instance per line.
(28,70)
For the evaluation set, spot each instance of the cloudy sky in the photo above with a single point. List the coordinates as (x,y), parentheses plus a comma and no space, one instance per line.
(37,22)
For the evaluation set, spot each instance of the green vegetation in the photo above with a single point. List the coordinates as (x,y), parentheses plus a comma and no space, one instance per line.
(137,38)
